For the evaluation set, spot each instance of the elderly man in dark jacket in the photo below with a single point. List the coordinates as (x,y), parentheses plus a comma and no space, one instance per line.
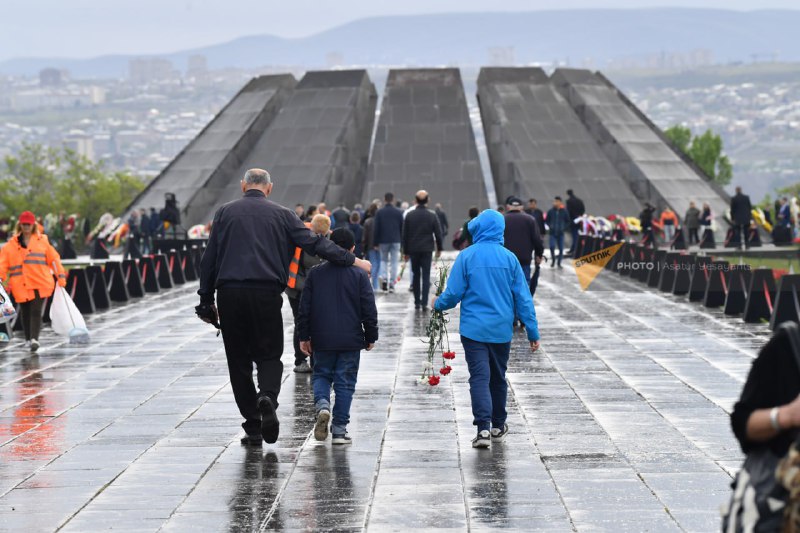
(246,262)
(387,233)
(422,233)
(741,216)
(522,238)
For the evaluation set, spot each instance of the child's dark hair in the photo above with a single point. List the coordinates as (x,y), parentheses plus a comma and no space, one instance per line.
(343,238)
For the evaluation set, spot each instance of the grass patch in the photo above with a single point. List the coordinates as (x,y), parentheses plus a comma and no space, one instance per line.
(767,262)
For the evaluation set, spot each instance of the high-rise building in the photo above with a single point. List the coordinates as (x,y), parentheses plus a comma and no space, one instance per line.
(147,69)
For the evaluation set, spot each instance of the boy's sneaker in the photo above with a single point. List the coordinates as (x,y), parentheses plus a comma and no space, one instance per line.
(270,427)
(321,427)
(498,435)
(391,289)
(341,439)
(482,440)
(34,344)
(303,368)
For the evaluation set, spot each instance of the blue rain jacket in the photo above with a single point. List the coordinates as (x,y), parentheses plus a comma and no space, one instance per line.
(488,281)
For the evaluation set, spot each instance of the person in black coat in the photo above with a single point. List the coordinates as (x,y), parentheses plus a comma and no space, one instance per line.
(336,338)
(741,216)
(523,239)
(575,208)
(646,221)
(422,235)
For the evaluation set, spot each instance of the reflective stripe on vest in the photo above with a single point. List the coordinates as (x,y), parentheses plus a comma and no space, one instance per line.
(294,268)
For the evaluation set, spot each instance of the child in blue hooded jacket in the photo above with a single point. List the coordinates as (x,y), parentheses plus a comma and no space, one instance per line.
(488,281)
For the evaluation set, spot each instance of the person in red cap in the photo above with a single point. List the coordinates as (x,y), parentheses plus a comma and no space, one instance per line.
(28,264)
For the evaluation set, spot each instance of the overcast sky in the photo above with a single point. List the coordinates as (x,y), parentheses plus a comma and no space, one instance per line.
(86,28)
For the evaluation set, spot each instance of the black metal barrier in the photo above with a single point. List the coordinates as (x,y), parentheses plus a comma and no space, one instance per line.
(666,278)
(176,267)
(80,290)
(739,291)
(738,285)
(683,277)
(147,270)
(163,246)
(760,296)
(133,279)
(115,281)
(787,301)
(99,289)
(162,271)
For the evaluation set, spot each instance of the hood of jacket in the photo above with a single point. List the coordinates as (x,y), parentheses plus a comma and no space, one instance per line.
(489,226)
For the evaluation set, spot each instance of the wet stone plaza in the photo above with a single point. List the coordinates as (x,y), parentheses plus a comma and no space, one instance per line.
(619,423)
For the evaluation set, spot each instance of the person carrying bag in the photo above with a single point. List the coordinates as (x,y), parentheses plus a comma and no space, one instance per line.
(766,422)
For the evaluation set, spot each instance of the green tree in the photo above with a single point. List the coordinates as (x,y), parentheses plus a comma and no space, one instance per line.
(681,137)
(49,180)
(27,180)
(705,150)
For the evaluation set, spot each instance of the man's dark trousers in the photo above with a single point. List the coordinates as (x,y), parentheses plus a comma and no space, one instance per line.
(252,331)
(421,275)
(740,235)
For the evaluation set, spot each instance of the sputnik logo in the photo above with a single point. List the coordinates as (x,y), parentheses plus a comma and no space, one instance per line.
(589,266)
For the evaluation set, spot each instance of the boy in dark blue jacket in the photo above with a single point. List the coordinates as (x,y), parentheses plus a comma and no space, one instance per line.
(336,338)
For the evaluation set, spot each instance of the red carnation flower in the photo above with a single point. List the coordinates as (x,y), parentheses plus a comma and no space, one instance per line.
(433,380)
(445,370)
(449,355)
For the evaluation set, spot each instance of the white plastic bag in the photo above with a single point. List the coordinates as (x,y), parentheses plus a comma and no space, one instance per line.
(7,311)
(66,319)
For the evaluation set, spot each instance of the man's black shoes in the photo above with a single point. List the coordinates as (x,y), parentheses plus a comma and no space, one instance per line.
(270,427)
(252,439)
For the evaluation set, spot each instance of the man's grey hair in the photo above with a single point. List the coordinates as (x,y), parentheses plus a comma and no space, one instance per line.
(257,176)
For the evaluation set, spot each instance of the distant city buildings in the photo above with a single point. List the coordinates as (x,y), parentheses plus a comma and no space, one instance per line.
(140,125)
(146,70)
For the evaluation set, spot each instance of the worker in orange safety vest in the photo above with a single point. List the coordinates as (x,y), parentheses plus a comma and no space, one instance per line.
(30,268)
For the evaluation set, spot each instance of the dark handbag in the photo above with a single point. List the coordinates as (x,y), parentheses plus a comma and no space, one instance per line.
(758,500)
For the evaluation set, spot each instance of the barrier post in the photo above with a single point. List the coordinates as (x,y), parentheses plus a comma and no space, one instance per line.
(717,287)
(176,267)
(97,282)
(80,291)
(115,280)
(739,284)
(133,278)
(760,296)
(787,301)
(165,280)
(147,269)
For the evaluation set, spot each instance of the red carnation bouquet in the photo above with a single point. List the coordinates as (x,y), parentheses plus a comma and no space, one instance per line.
(437,341)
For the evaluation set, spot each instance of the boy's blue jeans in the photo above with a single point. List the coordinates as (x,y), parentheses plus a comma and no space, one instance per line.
(487,363)
(339,369)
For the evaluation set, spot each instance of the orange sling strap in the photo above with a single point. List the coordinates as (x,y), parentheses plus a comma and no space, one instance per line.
(294,266)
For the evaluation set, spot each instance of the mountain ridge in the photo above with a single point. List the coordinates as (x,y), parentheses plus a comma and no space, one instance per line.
(572,36)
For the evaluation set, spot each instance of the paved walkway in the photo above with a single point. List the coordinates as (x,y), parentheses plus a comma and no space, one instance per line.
(618,424)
